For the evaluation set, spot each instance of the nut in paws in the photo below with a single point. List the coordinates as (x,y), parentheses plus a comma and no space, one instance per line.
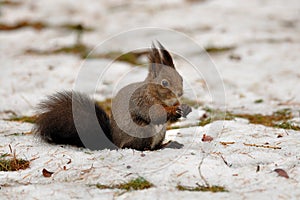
(185,110)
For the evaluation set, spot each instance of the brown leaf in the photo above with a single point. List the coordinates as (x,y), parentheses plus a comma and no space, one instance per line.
(226,143)
(206,138)
(281,172)
(69,161)
(46,173)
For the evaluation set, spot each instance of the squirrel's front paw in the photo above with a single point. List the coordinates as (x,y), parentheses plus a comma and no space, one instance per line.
(179,112)
(175,112)
(185,110)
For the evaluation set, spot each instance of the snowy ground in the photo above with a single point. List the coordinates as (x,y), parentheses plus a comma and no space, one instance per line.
(263,63)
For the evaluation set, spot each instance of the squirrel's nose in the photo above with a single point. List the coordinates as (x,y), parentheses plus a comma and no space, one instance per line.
(179,94)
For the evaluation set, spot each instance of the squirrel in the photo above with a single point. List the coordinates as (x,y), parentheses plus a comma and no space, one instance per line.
(139,114)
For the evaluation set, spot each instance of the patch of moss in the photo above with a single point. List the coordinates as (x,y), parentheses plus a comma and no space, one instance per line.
(102,187)
(13,164)
(287,125)
(214,50)
(23,24)
(215,115)
(200,188)
(77,49)
(10,3)
(105,105)
(259,101)
(84,52)
(76,27)
(139,183)
(278,119)
(39,25)
(4,155)
(27,119)
(129,57)
(268,120)
(191,102)
(209,120)
(172,127)
(14,134)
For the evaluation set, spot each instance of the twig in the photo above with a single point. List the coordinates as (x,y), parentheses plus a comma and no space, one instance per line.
(287,102)
(226,163)
(180,174)
(11,151)
(263,146)
(200,173)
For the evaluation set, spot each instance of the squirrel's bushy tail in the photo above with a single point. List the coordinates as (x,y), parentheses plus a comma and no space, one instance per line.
(55,121)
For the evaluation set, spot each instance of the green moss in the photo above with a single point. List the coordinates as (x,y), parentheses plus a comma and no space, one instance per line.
(214,50)
(268,120)
(84,52)
(106,105)
(76,27)
(259,101)
(215,115)
(27,119)
(199,188)
(102,187)
(14,134)
(4,155)
(12,164)
(287,125)
(136,184)
(139,183)
(77,49)
(130,57)
(171,127)
(278,119)
(39,25)
(191,102)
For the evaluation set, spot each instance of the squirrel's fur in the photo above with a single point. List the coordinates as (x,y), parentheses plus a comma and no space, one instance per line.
(140,111)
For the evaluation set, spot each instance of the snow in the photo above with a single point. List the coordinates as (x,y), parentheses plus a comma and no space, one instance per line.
(264,34)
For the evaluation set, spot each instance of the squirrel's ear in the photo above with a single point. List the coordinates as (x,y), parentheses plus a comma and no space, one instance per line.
(166,57)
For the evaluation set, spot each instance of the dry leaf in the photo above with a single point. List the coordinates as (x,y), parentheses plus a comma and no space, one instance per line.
(226,143)
(257,168)
(206,138)
(46,173)
(281,172)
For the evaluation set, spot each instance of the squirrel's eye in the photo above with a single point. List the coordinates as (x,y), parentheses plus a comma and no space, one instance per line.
(164,83)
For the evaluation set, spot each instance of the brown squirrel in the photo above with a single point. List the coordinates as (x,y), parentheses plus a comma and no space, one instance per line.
(139,116)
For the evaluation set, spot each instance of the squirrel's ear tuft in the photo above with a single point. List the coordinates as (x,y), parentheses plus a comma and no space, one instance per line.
(159,57)
(154,61)
(166,57)
(154,56)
